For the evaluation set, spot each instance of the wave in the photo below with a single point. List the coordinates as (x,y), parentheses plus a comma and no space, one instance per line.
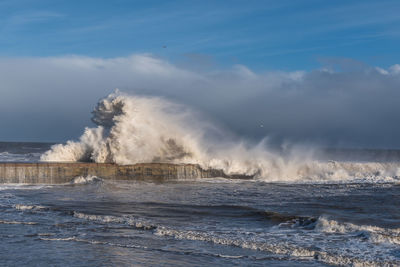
(283,248)
(373,233)
(59,238)
(23,187)
(94,242)
(347,247)
(12,157)
(90,179)
(292,221)
(293,237)
(133,222)
(321,224)
(133,129)
(17,222)
(23,207)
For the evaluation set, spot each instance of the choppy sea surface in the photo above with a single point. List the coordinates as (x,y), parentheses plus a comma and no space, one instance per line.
(221,222)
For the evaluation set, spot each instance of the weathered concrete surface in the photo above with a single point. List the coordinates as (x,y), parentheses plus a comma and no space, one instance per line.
(59,173)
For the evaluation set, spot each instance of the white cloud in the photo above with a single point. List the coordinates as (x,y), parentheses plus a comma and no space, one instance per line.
(392,70)
(395,69)
(51,98)
(382,71)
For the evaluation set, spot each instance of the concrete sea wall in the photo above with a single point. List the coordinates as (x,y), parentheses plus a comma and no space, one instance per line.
(59,173)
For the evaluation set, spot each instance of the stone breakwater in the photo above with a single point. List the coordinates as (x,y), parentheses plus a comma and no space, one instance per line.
(59,173)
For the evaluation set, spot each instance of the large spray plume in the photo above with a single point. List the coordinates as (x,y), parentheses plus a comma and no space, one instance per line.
(135,129)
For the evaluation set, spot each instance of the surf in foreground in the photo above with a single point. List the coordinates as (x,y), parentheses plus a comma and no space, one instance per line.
(203,222)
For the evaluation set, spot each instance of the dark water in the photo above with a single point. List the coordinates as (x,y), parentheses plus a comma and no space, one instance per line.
(22,151)
(200,223)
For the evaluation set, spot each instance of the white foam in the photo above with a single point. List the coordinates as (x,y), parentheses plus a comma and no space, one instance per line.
(229,256)
(131,221)
(28,207)
(346,246)
(17,222)
(22,186)
(93,242)
(90,179)
(280,248)
(373,233)
(71,238)
(134,129)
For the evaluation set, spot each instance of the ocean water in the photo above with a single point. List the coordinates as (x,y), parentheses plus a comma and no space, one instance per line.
(22,151)
(204,222)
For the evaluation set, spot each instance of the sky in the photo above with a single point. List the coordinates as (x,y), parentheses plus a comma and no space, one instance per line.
(321,72)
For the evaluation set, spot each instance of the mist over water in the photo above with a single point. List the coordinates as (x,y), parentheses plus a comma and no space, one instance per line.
(135,129)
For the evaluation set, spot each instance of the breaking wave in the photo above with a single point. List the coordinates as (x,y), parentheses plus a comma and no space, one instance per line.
(23,207)
(284,248)
(373,233)
(90,179)
(281,241)
(133,222)
(133,129)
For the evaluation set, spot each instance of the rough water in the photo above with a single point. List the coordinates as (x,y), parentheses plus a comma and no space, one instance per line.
(304,207)
(135,129)
(22,151)
(221,222)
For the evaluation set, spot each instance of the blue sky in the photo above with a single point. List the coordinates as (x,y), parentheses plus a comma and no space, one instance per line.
(263,35)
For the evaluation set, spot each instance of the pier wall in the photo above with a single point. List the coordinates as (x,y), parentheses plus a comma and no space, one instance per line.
(59,173)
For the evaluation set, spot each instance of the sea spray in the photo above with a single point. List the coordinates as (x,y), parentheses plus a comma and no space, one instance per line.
(137,129)
(133,129)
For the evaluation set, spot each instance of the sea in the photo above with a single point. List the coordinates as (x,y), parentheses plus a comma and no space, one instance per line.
(200,222)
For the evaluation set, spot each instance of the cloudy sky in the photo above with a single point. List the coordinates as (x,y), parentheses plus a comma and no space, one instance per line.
(306,71)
